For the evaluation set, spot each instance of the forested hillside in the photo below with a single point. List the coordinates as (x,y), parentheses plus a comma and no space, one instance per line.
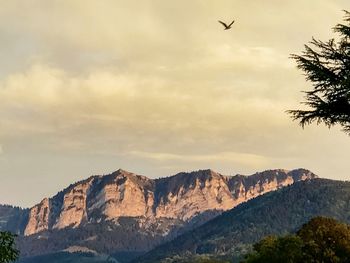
(231,234)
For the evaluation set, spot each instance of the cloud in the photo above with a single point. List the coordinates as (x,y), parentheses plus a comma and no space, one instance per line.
(237,158)
(112,107)
(147,84)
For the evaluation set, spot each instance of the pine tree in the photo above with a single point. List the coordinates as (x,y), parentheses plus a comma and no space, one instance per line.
(327,66)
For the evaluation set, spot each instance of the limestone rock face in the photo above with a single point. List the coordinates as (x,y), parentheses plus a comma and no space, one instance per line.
(186,195)
(73,210)
(38,218)
(124,194)
(244,188)
(179,197)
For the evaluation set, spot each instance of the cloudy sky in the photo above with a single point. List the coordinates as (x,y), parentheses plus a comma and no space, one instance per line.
(156,87)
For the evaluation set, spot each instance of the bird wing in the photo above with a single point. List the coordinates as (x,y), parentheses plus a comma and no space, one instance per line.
(231,23)
(222,23)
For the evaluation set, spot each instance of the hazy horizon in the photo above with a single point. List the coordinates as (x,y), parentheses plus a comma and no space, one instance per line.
(156,88)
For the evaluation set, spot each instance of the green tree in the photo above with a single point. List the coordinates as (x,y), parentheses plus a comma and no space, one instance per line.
(327,66)
(8,252)
(320,240)
(325,240)
(271,249)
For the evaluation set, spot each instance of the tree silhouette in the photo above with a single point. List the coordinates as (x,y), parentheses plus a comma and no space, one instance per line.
(327,66)
(8,252)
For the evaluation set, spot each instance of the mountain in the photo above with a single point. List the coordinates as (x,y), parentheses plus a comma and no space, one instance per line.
(13,219)
(123,212)
(124,194)
(283,211)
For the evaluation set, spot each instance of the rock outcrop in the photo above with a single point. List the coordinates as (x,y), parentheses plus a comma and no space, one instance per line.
(124,194)
(38,218)
(73,210)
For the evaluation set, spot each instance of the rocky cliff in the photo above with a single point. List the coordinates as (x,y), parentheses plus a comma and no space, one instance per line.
(179,197)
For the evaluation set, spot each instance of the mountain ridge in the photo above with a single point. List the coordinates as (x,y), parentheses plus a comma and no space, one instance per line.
(181,196)
(125,212)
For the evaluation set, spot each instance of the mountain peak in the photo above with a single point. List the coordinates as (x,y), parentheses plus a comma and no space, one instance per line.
(119,172)
(122,171)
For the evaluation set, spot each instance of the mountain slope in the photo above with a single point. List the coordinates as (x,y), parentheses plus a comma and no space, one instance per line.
(67,257)
(13,219)
(277,212)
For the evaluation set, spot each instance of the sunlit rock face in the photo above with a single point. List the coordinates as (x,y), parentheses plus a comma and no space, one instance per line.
(73,210)
(244,188)
(38,218)
(123,194)
(180,197)
(186,195)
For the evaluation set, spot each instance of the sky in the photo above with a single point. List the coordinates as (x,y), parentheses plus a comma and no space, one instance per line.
(157,87)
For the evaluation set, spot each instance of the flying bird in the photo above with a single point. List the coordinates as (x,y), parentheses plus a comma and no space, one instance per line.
(227,27)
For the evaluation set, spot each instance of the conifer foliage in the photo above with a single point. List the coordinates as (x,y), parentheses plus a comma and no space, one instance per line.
(327,66)
(8,252)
